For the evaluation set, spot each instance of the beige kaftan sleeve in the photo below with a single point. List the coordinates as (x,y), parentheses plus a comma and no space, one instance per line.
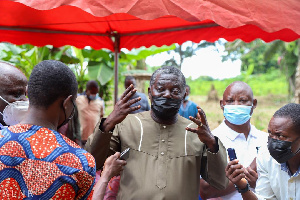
(213,167)
(103,144)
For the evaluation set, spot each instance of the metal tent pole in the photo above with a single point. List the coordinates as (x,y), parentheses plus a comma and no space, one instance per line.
(116,48)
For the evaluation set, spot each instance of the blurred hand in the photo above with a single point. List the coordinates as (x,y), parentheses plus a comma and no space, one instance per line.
(121,109)
(203,130)
(251,176)
(235,172)
(113,166)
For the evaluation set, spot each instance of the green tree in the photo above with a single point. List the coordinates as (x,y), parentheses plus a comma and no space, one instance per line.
(260,57)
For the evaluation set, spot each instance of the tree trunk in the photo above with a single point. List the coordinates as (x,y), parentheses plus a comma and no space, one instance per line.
(297,78)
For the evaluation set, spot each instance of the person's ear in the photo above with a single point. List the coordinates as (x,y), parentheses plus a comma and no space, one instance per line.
(67,101)
(149,94)
(254,103)
(222,105)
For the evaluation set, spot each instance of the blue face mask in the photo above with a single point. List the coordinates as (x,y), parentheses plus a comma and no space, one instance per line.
(237,114)
(92,96)
(186,98)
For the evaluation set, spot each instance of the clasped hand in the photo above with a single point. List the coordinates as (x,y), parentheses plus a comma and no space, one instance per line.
(239,175)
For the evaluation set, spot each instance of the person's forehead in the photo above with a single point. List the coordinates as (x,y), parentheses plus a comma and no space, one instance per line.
(235,91)
(284,124)
(13,80)
(130,81)
(93,90)
(163,78)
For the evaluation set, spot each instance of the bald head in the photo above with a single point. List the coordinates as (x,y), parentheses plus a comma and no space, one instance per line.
(12,85)
(238,93)
(238,86)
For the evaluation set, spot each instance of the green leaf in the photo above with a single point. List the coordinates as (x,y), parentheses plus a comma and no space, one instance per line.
(105,74)
(69,60)
(3,55)
(30,52)
(143,52)
(78,53)
(250,69)
(15,49)
(100,71)
(96,55)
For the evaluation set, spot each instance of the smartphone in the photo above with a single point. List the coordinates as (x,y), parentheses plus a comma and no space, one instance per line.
(231,154)
(125,154)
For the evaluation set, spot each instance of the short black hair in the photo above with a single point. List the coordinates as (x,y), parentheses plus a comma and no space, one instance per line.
(292,111)
(168,70)
(50,80)
(127,78)
(91,84)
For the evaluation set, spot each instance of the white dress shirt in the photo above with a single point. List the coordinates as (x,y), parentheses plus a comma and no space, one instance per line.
(246,149)
(275,180)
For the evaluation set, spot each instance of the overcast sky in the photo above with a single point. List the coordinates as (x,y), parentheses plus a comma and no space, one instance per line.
(206,62)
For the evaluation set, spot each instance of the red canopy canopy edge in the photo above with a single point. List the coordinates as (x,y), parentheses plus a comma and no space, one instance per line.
(69,25)
(134,23)
(269,15)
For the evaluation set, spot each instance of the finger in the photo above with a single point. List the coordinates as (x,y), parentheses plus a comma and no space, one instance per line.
(132,101)
(195,120)
(129,95)
(116,155)
(238,178)
(238,172)
(127,91)
(234,162)
(202,116)
(120,162)
(252,172)
(134,108)
(194,130)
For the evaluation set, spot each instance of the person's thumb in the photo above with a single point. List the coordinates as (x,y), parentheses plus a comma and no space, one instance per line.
(117,155)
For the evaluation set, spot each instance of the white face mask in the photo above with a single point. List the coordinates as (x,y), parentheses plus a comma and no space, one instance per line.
(14,112)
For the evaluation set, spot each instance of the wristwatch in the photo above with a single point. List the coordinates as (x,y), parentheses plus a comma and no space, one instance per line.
(246,189)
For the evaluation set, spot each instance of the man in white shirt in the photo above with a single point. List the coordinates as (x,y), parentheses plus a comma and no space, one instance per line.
(278,166)
(237,132)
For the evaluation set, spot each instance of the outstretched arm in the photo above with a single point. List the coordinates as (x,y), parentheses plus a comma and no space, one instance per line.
(112,167)
(214,160)
(101,140)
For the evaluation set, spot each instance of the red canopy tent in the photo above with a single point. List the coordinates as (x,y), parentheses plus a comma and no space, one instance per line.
(134,23)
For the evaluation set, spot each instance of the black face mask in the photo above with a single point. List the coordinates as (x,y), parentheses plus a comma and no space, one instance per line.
(281,150)
(67,119)
(165,108)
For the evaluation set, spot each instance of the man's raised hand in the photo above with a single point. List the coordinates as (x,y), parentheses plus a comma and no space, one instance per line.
(121,109)
(203,130)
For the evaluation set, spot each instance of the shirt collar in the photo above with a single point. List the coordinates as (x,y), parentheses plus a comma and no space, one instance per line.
(232,135)
(285,168)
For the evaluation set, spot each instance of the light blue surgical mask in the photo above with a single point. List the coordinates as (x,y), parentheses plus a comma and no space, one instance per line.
(237,114)
(92,96)
(186,98)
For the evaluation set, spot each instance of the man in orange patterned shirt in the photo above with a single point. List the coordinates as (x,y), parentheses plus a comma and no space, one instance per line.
(36,161)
